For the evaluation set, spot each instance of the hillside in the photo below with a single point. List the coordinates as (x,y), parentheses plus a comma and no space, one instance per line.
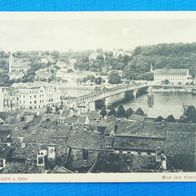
(175,55)
(134,64)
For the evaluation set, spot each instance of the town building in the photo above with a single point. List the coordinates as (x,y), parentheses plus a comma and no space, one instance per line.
(36,95)
(8,100)
(28,96)
(171,76)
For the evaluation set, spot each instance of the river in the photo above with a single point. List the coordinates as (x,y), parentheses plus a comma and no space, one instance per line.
(164,104)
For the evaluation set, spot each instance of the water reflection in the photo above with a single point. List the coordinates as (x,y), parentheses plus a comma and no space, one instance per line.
(164,104)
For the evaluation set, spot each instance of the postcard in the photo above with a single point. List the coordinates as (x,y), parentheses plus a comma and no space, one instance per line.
(97,96)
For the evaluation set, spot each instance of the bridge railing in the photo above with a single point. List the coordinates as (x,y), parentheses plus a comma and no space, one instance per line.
(111,91)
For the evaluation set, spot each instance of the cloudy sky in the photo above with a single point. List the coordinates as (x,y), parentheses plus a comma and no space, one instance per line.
(52,31)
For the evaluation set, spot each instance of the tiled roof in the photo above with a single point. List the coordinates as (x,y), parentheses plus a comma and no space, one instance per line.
(84,140)
(137,117)
(65,112)
(139,128)
(81,119)
(70,119)
(170,71)
(2,121)
(4,131)
(138,143)
(98,123)
(4,151)
(61,169)
(93,115)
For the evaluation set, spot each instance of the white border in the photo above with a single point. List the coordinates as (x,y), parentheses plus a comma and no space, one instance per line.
(99,177)
(155,15)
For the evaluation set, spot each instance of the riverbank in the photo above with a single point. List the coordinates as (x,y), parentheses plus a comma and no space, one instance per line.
(173,88)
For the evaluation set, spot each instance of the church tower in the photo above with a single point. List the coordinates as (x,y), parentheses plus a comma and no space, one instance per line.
(151,68)
(10,62)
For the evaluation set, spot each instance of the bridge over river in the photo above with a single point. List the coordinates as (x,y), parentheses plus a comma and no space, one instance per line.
(87,102)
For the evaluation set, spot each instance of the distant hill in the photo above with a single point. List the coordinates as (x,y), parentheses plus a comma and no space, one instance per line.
(174,55)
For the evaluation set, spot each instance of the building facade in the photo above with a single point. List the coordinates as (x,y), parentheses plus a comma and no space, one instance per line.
(36,95)
(171,76)
(28,96)
(8,99)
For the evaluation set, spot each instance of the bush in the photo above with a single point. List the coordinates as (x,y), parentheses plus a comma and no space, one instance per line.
(103,112)
(114,78)
(120,112)
(128,112)
(170,118)
(159,119)
(112,111)
(139,111)
(22,118)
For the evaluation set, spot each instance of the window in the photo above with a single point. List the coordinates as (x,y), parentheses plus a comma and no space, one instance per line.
(35,96)
(35,102)
(30,107)
(30,102)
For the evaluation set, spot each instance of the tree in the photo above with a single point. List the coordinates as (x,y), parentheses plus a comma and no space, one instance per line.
(103,112)
(189,114)
(100,57)
(129,112)
(139,111)
(98,80)
(170,118)
(70,71)
(159,119)
(99,104)
(114,78)
(112,111)
(166,82)
(120,113)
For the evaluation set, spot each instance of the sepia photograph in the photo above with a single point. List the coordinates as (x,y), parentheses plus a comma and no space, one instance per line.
(98,94)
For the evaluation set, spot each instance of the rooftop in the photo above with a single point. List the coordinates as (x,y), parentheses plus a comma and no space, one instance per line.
(171,71)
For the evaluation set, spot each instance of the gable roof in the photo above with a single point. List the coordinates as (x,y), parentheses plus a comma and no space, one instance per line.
(5,131)
(98,123)
(93,115)
(4,151)
(81,119)
(171,71)
(2,121)
(70,119)
(81,139)
(65,112)
(61,169)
